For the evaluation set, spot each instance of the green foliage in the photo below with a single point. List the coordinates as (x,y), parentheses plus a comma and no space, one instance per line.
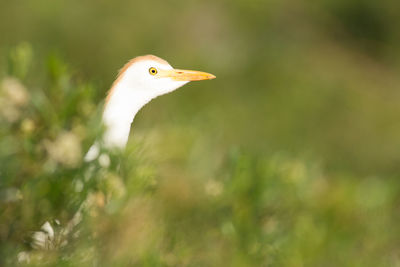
(250,211)
(19,60)
(289,158)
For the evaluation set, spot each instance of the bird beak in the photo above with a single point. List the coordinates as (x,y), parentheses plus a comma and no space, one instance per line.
(185,75)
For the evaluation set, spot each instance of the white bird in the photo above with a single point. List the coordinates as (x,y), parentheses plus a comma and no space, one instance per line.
(139,81)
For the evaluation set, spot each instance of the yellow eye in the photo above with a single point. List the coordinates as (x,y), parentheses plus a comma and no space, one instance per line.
(153,71)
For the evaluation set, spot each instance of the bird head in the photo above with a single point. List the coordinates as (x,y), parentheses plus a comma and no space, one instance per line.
(150,76)
(139,81)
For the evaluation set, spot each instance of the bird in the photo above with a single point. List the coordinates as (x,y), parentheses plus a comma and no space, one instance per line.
(142,79)
(139,81)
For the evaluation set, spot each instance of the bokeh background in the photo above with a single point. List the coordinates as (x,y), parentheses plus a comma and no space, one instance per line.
(291,157)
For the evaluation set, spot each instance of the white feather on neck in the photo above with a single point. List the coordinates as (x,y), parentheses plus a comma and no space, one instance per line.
(118,115)
(120,111)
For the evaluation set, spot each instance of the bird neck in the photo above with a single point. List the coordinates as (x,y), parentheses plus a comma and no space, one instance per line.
(120,110)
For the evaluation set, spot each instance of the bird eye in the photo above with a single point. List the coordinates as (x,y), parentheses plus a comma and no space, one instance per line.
(153,71)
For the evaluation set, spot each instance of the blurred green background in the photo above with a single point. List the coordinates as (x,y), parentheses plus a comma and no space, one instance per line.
(289,158)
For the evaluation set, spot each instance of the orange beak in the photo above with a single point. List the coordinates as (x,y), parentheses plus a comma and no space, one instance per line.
(185,75)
